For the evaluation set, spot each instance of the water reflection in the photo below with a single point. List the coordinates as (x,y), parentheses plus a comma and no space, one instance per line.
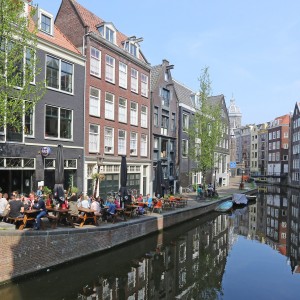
(186,262)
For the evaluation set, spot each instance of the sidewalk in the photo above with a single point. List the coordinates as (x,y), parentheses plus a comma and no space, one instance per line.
(224,192)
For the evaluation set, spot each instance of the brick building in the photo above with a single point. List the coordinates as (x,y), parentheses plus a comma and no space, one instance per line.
(117,105)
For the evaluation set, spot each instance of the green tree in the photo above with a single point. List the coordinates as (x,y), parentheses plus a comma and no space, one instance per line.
(205,130)
(19,92)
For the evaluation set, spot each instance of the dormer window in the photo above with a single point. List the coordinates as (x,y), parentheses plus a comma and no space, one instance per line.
(131,48)
(131,45)
(108,31)
(46,22)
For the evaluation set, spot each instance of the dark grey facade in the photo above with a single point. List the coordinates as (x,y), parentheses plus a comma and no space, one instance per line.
(185,113)
(164,123)
(29,157)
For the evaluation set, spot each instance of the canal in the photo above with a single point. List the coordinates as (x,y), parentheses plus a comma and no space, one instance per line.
(251,253)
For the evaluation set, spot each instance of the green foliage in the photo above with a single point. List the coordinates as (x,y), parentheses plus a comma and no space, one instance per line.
(18,45)
(74,189)
(46,190)
(205,131)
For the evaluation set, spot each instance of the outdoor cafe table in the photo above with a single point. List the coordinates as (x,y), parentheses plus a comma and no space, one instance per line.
(62,214)
(131,210)
(29,215)
(86,214)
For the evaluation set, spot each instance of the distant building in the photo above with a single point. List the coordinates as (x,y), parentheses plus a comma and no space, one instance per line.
(278,144)
(294,159)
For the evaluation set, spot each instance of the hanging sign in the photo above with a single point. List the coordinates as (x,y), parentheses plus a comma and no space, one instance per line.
(45,151)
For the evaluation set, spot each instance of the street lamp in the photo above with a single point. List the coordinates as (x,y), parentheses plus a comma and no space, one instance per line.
(242,177)
(100,160)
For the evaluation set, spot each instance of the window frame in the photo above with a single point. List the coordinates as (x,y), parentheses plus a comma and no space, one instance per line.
(97,66)
(110,69)
(59,123)
(120,109)
(108,140)
(123,75)
(134,77)
(134,114)
(95,134)
(59,74)
(122,146)
(109,114)
(92,97)
(144,85)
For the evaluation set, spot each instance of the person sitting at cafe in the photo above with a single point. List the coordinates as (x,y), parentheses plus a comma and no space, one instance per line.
(95,206)
(140,198)
(73,207)
(149,201)
(39,204)
(111,209)
(15,207)
(3,205)
(26,202)
(84,202)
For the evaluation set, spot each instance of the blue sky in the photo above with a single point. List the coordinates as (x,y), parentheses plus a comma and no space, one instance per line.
(252,48)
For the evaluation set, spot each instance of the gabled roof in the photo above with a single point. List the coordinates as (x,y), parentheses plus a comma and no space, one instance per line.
(92,21)
(156,71)
(183,94)
(58,38)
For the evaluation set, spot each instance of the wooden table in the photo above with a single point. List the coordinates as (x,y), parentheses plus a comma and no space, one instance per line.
(86,214)
(130,210)
(21,222)
(61,214)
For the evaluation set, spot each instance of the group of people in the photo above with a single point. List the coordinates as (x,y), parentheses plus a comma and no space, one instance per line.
(13,206)
(209,191)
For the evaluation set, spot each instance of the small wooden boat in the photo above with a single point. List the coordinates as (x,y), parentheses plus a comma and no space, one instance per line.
(224,206)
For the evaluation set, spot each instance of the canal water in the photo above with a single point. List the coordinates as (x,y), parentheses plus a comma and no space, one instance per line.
(251,253)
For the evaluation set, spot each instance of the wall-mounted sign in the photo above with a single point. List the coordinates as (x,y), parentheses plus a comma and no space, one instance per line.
(45,151)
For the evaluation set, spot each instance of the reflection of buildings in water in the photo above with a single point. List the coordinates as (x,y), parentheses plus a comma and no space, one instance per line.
(191,265)
(276,222)
(293,220)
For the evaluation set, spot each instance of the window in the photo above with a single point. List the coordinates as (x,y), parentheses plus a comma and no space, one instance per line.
(155,144)
(131,48)
(133,143)
(155,121)
(95,64)
(173,122)
(108,140)
(109,106)
(46,22)
(165,95)
(184,148)
(144,85)
(29,122)
(134,81)
(285,134)
(59,74)
(110,69)
(122,142)
(58,123)
(144,117)
(133,113)
(122,110)
(185,122)
(164,123)
(108,32)
(94,138)
(143,145)
(94,102)
(122,75)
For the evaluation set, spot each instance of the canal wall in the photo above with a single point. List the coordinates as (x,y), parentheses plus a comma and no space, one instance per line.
(27,251)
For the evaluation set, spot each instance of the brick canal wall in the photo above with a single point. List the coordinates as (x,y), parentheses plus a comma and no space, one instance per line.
(24,252)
